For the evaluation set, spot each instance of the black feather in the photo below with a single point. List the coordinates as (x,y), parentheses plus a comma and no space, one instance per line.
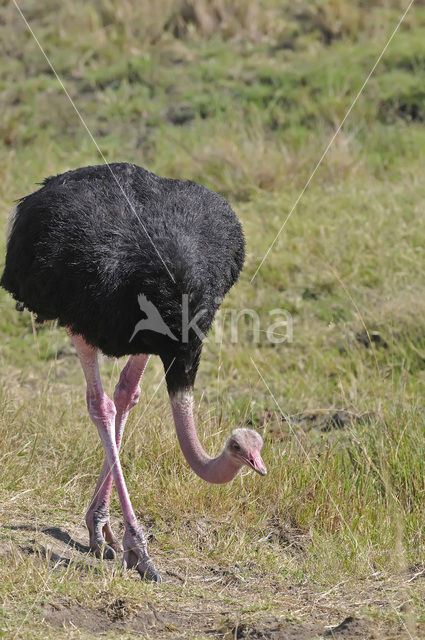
(85,245)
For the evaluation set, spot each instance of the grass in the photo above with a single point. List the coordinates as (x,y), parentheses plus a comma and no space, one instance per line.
(244,98)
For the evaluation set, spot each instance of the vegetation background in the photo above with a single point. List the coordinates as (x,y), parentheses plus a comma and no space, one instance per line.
(244,97)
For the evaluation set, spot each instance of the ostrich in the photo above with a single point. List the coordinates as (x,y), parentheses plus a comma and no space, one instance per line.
(96,247)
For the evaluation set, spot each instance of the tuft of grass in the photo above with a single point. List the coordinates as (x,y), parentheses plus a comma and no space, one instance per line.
(243,97)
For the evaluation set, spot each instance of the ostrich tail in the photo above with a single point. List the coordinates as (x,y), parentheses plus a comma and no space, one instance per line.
(11,222)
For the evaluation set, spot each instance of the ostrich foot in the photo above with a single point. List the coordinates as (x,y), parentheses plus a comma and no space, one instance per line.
(103,543)
(136,555)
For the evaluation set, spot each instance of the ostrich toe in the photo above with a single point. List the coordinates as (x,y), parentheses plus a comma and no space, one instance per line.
(136,555)
(103,542)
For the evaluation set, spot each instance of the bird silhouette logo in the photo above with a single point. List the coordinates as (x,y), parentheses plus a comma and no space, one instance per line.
(153,321)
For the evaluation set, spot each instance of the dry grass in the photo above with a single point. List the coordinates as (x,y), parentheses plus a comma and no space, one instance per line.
(243,97)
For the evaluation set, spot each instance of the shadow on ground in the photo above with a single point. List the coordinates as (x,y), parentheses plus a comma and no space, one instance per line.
(175,614)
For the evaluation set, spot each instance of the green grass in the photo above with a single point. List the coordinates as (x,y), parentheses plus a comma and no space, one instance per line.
(245,101)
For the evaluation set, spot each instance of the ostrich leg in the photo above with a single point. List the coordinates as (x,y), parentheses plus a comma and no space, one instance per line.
(103,413)
(127,392)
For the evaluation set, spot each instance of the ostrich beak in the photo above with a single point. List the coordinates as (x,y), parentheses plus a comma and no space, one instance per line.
(255,461)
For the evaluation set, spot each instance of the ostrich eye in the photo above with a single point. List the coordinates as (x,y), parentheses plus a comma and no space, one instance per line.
(236,446)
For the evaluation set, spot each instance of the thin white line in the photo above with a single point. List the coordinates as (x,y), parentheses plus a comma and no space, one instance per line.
(287,418)
(331,141)
(325,488)
(91,136)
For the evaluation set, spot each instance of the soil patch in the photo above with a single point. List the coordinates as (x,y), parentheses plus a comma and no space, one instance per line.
(118,617)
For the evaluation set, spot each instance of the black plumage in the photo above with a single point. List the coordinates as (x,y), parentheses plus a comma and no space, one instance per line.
(89,241)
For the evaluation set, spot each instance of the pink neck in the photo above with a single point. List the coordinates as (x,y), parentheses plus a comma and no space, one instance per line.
(217,470)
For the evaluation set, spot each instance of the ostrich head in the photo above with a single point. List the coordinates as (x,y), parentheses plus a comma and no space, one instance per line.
(244,447)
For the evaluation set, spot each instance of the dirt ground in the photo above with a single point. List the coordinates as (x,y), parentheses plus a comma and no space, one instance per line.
(300,613)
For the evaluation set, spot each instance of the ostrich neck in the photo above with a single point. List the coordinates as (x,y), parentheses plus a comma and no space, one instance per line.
(217,470)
